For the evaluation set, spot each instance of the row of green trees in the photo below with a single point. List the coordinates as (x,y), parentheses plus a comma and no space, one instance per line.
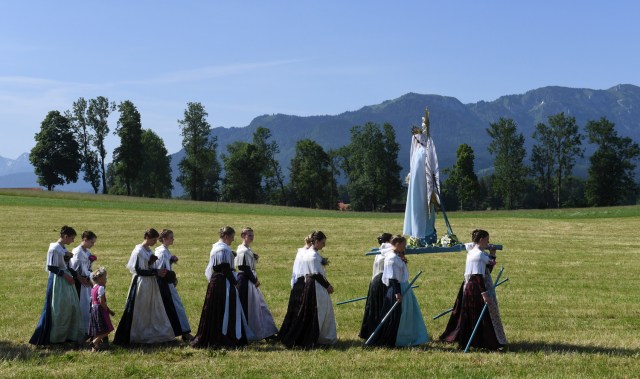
(253,175)
(547,181)
(74,142)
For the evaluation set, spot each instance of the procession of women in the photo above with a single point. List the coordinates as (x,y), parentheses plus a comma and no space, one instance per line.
(234,312)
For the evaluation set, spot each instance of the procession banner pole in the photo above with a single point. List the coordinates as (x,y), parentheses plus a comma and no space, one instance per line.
(484,309)
(450,310)
(430,249)
(390,311)
(360,298)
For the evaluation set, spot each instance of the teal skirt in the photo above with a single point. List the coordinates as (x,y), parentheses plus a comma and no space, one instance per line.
(412,331)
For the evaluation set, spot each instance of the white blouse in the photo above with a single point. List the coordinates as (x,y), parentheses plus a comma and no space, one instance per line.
(378,262)
(244,256)
(55,256)
(220,253)
(140,255)
(296,272)
(80,261)
(311,263)
(164,257)
(394,268)
(476,262)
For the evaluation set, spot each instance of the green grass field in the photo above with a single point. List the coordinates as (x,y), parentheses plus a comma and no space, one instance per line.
(570,307)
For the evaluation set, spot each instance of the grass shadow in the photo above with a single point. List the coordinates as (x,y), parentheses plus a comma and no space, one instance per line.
(11,351)
(546,347)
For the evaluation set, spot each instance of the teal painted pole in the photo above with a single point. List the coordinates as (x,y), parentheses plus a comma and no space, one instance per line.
(484,309)
(450,310)
(390,311)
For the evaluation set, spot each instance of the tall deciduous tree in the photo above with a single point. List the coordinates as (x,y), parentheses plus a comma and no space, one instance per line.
(199,169)
(274,189)
(370,162)
(312,183)
(56,156)
(462,179)
(559,144)
(507,145)
(611,174)
(97,117)
(127,158)
(155,177)
(242,173)
(90,162)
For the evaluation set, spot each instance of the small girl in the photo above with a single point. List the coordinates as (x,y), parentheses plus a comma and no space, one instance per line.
(100,323)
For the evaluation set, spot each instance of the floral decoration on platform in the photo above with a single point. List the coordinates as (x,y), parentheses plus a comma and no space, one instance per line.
(449,240)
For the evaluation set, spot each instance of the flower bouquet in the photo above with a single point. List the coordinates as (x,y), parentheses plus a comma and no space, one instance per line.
(448,240)
(173,259)
(324,261)
(416,242)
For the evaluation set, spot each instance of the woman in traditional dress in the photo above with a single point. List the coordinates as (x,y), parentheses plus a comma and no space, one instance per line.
(423,188)
(144,319)
(405,326)
(375,295)
(476,290)
(172,302)
(61,320)
(221,321)
(315,323)
(256,312)
(81,263)
(297,286)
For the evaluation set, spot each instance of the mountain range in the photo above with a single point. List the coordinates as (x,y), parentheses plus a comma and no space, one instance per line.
(452,123)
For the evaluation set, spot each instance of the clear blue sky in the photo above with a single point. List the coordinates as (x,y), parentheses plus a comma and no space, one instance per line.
(242,59)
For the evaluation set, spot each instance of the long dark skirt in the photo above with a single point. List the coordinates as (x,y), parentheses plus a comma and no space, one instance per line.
(465,314)
(373,308)
(123,332)
(167,300)
(243,293)
(41,334)
(214,318)
(388,333)
(303,329)
(293,308)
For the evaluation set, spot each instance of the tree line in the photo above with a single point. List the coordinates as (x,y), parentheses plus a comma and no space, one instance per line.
(547,181)
(72,143)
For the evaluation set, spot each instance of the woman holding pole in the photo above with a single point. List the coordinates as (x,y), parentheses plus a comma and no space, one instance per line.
(405,326)
(375,297)
(476,290)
